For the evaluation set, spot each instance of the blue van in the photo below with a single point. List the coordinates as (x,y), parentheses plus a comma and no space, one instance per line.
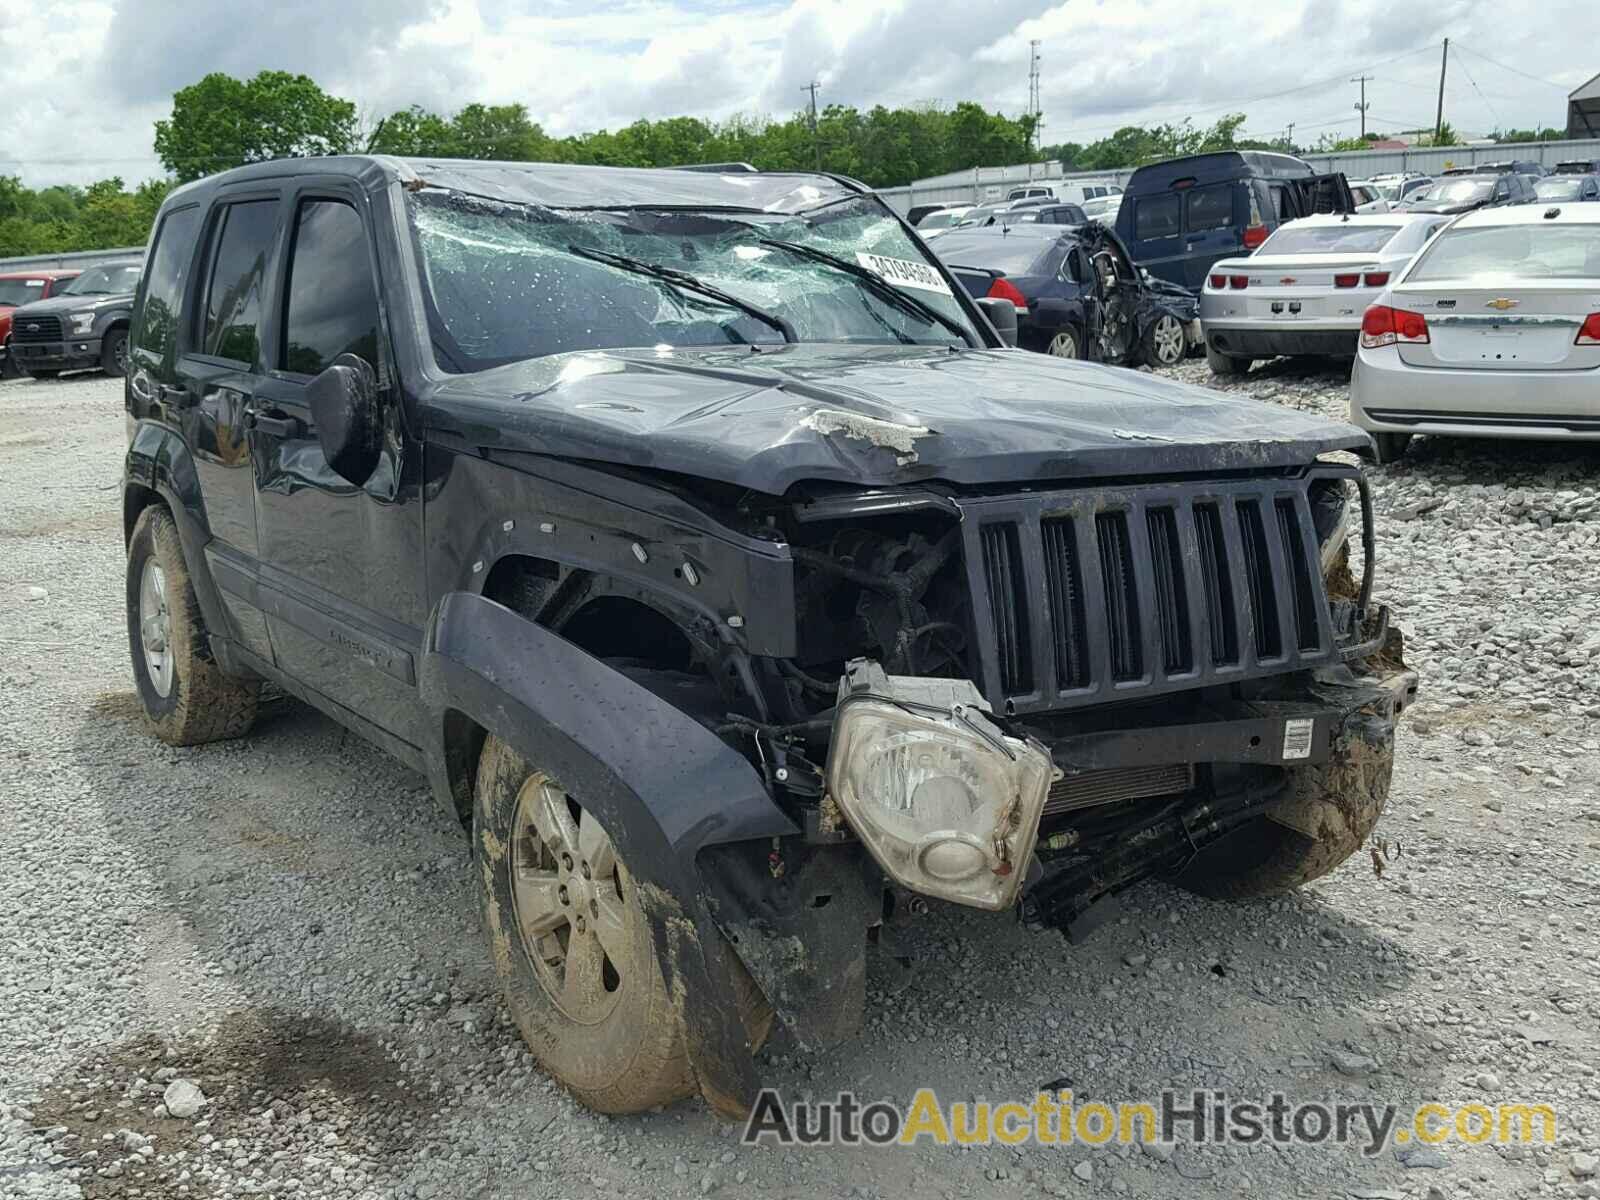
(1180,216)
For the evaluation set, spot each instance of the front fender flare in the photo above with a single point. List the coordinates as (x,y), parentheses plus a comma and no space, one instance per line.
(159,461)
(663,784)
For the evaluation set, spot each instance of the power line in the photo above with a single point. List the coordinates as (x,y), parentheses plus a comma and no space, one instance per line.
(1498,123)
(1561,87)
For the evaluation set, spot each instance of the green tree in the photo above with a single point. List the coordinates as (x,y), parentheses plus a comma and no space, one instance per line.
(222,122)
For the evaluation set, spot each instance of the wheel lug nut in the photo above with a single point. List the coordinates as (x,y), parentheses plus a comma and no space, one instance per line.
(562,892)
(594,908)
(582,925)
(585,868)
(566,862)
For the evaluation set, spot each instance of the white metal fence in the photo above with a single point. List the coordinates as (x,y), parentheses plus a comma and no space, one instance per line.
(992,183)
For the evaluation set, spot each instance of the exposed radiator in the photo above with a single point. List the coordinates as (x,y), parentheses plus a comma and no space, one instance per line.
(1091,788)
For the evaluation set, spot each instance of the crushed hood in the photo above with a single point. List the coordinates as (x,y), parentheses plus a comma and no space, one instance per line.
(871,416)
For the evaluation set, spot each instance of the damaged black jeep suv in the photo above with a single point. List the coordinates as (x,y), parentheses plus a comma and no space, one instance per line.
(732,579)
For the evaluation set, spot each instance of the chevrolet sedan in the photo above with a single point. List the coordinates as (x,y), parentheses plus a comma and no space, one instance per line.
(1492,331)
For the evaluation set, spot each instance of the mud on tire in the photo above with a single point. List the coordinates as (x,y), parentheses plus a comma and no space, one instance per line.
(1326,815)
(620,1048)
(194,700)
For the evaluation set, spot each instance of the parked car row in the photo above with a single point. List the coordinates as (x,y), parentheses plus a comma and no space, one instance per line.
(59,321)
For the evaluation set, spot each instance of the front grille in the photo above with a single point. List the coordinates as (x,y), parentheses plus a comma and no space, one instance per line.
(36,329)
(1088,789)
(1088,596)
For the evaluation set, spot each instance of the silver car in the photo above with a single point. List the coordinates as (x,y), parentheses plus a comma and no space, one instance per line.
(1304,290)
(1492,331)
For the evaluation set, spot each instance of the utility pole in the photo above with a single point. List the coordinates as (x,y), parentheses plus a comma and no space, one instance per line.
(1035,107)
(1288,137)
(1438,120)
(816,147)
(1361,108)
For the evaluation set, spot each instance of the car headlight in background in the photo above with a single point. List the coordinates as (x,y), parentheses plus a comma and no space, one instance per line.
(946,802)
(82,323)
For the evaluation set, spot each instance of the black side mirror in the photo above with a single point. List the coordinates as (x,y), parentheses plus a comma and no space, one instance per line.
(1002,315)
(344,406)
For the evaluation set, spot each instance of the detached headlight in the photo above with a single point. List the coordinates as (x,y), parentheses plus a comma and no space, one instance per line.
(947,803)
(82,323)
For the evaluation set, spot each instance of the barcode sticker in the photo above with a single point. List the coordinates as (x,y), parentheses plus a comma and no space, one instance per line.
(1297,738)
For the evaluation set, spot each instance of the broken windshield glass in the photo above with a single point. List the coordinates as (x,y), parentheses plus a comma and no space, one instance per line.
(506,281)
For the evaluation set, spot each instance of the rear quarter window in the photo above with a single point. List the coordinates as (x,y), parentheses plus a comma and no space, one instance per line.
(170,256)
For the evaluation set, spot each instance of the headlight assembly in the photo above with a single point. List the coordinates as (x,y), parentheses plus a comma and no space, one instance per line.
(82,323)
(946,802)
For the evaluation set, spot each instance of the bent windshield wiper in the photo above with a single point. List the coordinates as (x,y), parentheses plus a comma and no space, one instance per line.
(687,282)
(876,283)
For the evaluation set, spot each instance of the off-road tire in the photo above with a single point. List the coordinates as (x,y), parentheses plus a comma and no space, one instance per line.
(1227,364)
(113,350)
(203,704)
(1391,446)
(1325,816)
(41,372)
(634,1057)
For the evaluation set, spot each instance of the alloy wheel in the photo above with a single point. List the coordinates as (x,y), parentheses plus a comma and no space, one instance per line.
(155,627)
(1064,345)
(567,890)
(1168,341)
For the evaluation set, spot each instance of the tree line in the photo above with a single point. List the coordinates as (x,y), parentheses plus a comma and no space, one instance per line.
(222,122)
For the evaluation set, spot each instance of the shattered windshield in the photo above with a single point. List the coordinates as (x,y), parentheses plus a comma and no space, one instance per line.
(506,282)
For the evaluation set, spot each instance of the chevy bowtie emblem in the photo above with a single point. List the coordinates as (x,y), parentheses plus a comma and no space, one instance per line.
(1502,304)
(1287,280)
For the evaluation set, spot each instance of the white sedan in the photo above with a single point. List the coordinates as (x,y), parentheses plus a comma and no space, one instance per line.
(1492,331)
(1304,290)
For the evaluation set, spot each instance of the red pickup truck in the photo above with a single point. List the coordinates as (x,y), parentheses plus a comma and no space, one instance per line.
(24,287)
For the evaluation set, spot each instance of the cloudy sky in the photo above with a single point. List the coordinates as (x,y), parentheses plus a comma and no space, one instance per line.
(83,80)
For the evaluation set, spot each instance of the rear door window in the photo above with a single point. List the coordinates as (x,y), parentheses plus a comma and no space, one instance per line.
(1157,217)
(242,243)
(332,303)
(1209,207)
(168,269)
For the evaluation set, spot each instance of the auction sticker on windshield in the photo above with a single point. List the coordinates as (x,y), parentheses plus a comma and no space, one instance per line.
(904,273)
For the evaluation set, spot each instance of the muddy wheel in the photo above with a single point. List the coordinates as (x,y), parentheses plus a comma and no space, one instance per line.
(1323,819)
(187,698)
(1226,364)
(572,946)
(1391,446)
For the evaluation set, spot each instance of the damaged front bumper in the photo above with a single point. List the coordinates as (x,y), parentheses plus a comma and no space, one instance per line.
(1334,730)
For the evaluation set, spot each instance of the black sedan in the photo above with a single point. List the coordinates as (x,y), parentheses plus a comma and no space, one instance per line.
(1076,292)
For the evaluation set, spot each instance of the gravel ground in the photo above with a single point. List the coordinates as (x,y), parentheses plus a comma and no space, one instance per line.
(285,922)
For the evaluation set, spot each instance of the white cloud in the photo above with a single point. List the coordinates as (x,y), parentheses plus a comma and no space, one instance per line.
(85,79)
